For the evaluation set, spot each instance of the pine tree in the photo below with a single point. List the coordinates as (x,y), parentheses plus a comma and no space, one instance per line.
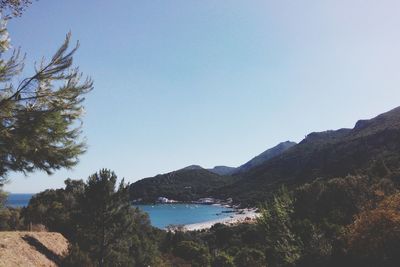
(109,228)
(40,115)
(282,244)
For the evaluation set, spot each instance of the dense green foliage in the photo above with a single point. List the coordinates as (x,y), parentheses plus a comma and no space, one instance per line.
(250,257)
(109,228)
(222,260)
(282,245)
(98,219)
(351,221)
(220,246)
(10,219)
(196,253)
(56,209)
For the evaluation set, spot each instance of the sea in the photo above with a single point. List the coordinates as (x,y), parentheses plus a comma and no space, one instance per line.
(18,200)
(161,215)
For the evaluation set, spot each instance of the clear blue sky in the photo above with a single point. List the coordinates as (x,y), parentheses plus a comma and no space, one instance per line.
(214,82)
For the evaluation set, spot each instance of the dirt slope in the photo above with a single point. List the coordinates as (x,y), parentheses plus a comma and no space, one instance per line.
(31,248)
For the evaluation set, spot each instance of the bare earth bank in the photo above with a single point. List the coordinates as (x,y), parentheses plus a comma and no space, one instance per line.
(31,248)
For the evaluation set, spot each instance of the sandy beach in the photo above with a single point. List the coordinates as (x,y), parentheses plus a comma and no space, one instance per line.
(241,216)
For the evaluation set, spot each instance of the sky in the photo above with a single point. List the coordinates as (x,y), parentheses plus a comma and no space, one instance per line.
(208,82)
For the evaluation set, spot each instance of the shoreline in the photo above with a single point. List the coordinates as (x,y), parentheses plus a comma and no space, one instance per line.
(237,217)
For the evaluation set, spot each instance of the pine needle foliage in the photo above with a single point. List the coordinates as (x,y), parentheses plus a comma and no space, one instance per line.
(13,8)
(40,116)
(112,231)
(283,245)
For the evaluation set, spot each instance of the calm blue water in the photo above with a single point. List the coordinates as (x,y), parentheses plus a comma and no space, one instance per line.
(162,215)
(18,200)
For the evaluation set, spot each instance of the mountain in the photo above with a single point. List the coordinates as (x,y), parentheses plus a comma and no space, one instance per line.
(185,185)
(192,167)
(223,170)
(372,147)
(265,156)
(193,182)
(254,162)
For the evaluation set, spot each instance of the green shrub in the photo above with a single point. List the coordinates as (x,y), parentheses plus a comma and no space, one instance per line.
(196,253)
(222,260)
(250,257)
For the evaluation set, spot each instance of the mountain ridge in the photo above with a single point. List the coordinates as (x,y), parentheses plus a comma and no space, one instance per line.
(194,181)
(265,156)
(371,147)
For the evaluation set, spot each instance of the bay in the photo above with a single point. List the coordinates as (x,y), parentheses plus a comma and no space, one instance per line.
(162,215)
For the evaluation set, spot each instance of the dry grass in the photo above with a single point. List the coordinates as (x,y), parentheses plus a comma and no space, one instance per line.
(31,248)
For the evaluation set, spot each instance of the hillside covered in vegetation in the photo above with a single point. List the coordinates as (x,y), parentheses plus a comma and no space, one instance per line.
(194,182)
(370,148)
(183,185)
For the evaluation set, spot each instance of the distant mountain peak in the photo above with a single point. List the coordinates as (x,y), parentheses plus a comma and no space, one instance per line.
(192,167)
(222,170)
